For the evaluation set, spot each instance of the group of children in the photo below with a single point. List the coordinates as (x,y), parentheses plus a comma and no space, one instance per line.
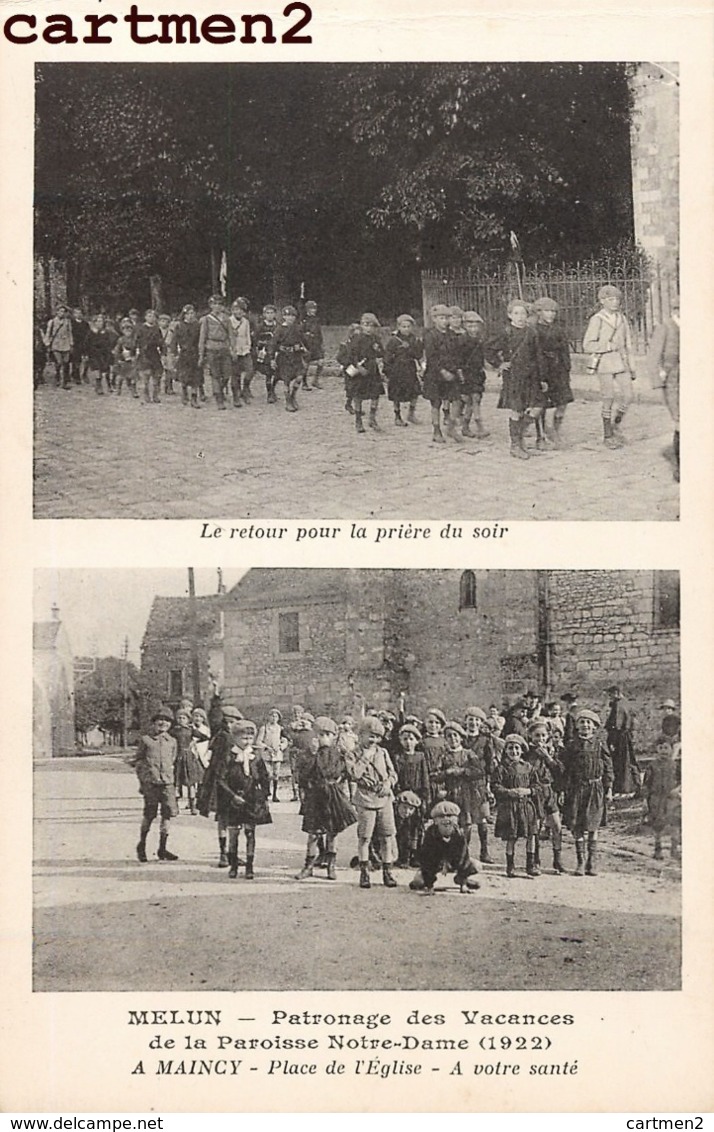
(414,788)
(160,354)
(157,353)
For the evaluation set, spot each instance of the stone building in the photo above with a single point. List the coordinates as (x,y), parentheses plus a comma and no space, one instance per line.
(321,637)
(53,732)
(654,142)
(166,661)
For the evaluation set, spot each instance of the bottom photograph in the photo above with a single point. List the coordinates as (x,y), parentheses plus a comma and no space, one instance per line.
(356,780)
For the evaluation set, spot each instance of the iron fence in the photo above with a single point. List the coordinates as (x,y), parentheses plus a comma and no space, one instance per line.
(647,292)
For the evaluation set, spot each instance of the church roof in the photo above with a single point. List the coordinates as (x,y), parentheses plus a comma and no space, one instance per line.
(261,588)
(44,634)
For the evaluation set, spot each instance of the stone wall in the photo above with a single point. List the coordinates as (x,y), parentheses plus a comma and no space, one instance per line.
(604,632)
(655,162)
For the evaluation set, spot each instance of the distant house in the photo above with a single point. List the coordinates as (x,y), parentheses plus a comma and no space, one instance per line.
(53,732)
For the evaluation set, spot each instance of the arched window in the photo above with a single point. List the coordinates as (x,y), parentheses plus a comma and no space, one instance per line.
(467,590)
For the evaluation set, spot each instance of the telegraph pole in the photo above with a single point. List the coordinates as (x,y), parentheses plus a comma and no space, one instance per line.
(125,692)
(193,633)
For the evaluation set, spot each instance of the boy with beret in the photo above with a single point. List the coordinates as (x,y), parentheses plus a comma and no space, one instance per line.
(588,781)
(289,351)
(373,773)
(312,333)
(553,354)
(363,366)
(433,744)
(514,783)
(154,764)
(441,379)
(444,850)
(609,343)
(549,772)
(402,358)
(326,809)
(243,788)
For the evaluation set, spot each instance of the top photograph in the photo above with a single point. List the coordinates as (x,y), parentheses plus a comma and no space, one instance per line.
(356,290)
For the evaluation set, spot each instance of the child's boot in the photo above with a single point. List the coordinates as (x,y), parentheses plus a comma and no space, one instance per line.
(388,879)
(141,849)
(398,417)
(591,866)
(359,422)
(608,435)
(580,868)
(484,856)
(437,436)
(163,853)
(531,867)
(306,870)
(412,418)
(331,866)
(233,860)
(184,394)
(557,850)
(536,859)
(481,430)
(364,881)
(222,859)
(249,874)
(373,420)
(98,386)
(658,854)
(510,865)
(518,451)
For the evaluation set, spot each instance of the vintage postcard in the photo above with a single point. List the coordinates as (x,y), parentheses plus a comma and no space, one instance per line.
(326,766)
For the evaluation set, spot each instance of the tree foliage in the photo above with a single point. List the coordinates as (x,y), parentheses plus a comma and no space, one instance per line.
(324,171)
(99,699)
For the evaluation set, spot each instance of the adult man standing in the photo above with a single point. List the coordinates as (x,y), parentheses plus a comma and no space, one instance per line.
(619,727)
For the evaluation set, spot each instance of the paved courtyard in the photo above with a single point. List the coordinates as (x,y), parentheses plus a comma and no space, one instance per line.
(112,457)
(96,909)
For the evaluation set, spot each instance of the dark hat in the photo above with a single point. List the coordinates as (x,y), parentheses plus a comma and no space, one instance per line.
(438,714)
(371,725)
(324,723)
(231,712)
(612,689)
(404,318)
(518,739)
(453,725)
(569,697)
(409,798)
(290,310)
(163,713)
(587,714)
(445,810)
(243,726)
(410,729)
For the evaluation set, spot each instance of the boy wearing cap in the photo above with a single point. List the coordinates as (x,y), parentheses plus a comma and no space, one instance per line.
(154,764)
(609,343)
(588,786)
(363,366)
(444,850)
(441,379)
(241,343)
(473,375)
(373,773)
(514,783)
(326,809)
(220,752)
(214,348)
(549,772)
(664,799)
(263,349)
(150,347)
(124,354)
(413,779)
(553,353)
(481,758)
(243,787)
(312,333)
(513,354)
(289,351)
(402,357)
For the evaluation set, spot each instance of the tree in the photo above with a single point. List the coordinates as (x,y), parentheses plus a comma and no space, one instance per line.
(99,701)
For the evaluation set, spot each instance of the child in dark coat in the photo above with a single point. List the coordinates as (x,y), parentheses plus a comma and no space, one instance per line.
(588,786)
(444,850)
(402,358)
(289,351)
(514,783)
(326,809)
(363,361)
(243,785)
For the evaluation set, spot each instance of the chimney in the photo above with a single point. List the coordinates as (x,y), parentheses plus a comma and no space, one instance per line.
(221,587)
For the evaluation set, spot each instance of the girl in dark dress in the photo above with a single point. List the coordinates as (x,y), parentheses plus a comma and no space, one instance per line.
(401,364)
(514,784)
(326,809)
(553,354)
(514,354)
(363,359)
(188,771)
(588,785)
(549,771)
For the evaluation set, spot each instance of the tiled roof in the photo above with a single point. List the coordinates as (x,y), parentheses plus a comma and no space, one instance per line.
(272,587)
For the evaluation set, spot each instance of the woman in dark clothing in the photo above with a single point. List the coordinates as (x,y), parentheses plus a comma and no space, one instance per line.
(514,354)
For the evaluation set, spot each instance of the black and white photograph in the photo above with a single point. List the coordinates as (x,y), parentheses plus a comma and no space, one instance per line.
(356,290)
(367,779)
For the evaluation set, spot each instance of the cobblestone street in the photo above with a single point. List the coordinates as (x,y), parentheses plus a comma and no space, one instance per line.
(113,457)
